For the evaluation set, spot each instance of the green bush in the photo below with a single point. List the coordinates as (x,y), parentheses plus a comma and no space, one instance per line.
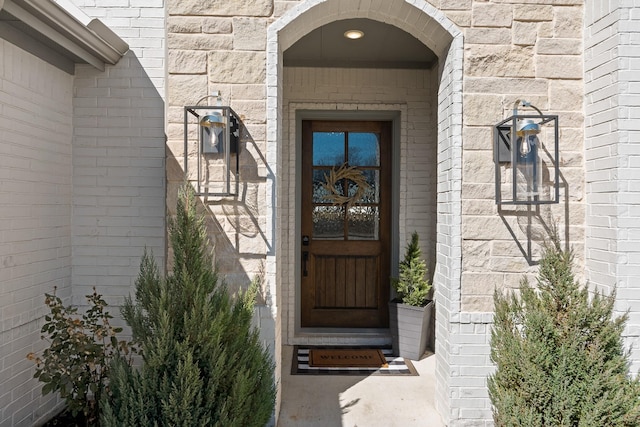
(412,286)
(81,348)
(202,362)
(559,354)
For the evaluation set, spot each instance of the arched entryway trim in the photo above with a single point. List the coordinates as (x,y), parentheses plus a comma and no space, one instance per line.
(436,31)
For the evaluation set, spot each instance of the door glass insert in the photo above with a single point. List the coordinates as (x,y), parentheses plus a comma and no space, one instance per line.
(363,223)
(342,210)
(328,222)
(364,149)
(328,148)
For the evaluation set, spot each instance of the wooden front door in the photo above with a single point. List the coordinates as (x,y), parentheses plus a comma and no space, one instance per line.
(346,209)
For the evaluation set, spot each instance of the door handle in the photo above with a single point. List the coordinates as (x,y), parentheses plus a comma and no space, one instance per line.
(305,259)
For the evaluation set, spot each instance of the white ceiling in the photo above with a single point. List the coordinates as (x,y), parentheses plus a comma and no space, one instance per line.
(383,46)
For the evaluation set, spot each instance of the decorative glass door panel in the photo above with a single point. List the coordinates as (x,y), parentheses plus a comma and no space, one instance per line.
(345,223)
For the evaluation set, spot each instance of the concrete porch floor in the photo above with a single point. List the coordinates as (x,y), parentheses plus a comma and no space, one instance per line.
(358,401)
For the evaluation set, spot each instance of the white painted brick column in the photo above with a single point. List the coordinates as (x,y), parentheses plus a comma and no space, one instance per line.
(612,132)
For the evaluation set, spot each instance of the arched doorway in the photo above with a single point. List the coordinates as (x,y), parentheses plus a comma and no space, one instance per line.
(424,106)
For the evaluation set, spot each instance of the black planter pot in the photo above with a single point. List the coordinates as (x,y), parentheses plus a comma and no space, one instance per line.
(410,329)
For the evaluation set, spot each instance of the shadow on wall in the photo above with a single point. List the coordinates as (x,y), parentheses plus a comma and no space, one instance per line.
(536,224)
(235,226)
(118,177)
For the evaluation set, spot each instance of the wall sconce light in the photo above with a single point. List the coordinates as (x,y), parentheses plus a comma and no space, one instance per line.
(211,139)
(526,148)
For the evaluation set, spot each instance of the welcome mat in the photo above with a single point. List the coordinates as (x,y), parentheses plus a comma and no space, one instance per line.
(394,365)
(347,357)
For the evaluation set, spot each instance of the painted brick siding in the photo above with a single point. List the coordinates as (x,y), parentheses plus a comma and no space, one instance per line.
(35,219)
(118,189)
(612,82)
(119,154)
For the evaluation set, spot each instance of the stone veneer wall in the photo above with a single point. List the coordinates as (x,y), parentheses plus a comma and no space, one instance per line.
(612,86)
(35,220)
(511,50)
(517,51)
(222,48)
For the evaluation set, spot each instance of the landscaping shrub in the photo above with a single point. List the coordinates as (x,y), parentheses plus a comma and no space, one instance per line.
(81,348)
(559,354)
(202,362)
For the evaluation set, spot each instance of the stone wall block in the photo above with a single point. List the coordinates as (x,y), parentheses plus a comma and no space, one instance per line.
(515,86)
(476,254)
(476,303)
(461,18)
(248,92)
(545,29)
(187,62)
(525,33)
(568,22)
(478,166)
(237,67)
(478,191)
(211,25)
(492,15)
(251,111)
(482,109)
(220,7)
(571,139)
(477,137)
(184,24)
(200,41)
(488,36)
(559,66)
(249,34)
(548,46)
(482,283)
(565,95)
(499,61)
(479,207)
(510,264)
(488,227)
(532,13)
(456,5)
(191,88)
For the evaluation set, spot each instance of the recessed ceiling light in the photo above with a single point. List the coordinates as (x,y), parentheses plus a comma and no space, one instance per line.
(353,34)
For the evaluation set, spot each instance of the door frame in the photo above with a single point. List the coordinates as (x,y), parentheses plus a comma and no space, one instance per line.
(393,116)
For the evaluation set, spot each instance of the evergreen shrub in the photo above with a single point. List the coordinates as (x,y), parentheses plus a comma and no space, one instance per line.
(412,286)
(202,362)
(559,353)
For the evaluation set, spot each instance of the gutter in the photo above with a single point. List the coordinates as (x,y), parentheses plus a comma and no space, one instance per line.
(86,38)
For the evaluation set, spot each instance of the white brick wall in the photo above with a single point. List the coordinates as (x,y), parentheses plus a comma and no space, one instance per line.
(35,219)
(119,154)
(612,87)
(142,25)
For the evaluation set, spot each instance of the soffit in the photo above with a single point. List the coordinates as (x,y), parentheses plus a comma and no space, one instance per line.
(383,46)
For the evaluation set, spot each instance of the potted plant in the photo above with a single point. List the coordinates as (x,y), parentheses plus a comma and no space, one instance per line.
(410,312)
